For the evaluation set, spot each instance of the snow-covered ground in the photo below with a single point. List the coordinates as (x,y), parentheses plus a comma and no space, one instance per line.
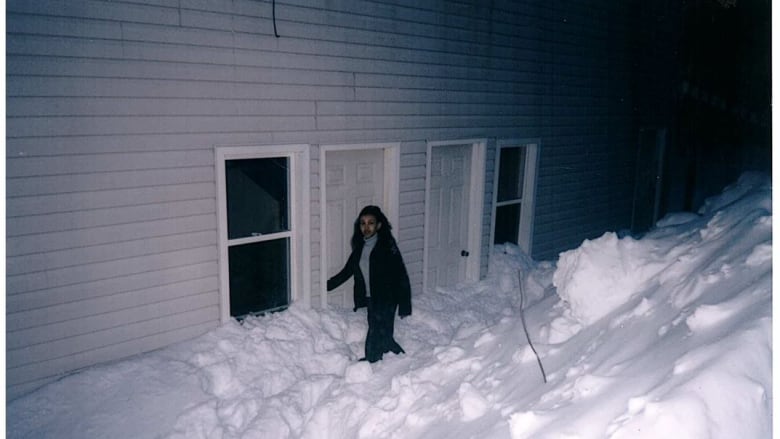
(667,335)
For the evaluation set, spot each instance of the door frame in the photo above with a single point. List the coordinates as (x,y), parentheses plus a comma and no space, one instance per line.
(525,233)
(300,225)
(476,204)
(391,185)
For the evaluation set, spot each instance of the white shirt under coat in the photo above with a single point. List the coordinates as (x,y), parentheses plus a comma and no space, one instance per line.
(365,255)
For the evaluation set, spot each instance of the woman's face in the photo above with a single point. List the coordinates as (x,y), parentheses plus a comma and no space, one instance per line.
(369,226)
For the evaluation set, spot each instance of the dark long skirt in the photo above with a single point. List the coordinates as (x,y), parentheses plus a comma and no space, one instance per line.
(381,321)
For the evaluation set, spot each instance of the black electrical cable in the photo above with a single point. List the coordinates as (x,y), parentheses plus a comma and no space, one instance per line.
(273,14)
(522,318)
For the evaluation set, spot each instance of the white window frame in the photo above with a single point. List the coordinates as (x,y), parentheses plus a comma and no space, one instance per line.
(300,247)
(391,185)
(476,204)
(528,201)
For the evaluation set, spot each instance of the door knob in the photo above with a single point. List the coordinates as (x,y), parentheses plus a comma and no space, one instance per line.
(464,253)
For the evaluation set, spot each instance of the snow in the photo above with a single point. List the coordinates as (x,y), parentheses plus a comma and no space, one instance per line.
(663,335)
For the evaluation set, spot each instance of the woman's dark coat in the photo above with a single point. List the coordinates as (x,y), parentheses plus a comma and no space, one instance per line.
(388,277)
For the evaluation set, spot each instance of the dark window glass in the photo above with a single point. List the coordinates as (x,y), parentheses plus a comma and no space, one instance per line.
(507,224)
(257,196)
(511,171)
(259,274)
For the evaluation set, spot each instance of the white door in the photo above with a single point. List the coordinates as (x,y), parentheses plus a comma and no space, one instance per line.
(448,215)
(354,179)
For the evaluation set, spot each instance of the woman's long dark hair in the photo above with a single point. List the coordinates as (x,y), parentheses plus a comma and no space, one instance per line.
(384,232)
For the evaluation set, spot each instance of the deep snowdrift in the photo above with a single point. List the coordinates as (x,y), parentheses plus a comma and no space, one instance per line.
(668,335)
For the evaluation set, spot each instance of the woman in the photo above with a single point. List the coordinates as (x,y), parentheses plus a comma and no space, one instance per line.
(381,280)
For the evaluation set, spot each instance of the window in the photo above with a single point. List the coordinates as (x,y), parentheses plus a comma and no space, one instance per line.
(258,214)
(514,193)
(260,240)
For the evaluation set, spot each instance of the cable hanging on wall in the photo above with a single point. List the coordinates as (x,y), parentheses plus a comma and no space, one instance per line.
(273,15)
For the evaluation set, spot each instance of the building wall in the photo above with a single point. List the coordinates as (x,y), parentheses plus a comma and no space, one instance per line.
(114,109)
(587,158)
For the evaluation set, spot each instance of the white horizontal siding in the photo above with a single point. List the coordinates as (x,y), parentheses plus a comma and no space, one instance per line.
(95,236)
(88,307)
(114,108)
(585,178)
(89,9)
(100,181)
(77,164)
(153,106)
(125,341)
(412,210)
(121,87)
(108,287)
(103,125)
(57,277)
(89,218)
(37,344)
(84,256)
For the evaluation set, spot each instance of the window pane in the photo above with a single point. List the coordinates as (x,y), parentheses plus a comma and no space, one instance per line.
(259,274)
(507,224)
(511,171)
(257,196)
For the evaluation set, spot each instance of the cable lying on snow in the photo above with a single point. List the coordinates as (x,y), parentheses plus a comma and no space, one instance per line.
(525,328)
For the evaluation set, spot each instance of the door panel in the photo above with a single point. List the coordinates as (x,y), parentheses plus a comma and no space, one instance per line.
(355,178)
(337,217)
(447,221)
